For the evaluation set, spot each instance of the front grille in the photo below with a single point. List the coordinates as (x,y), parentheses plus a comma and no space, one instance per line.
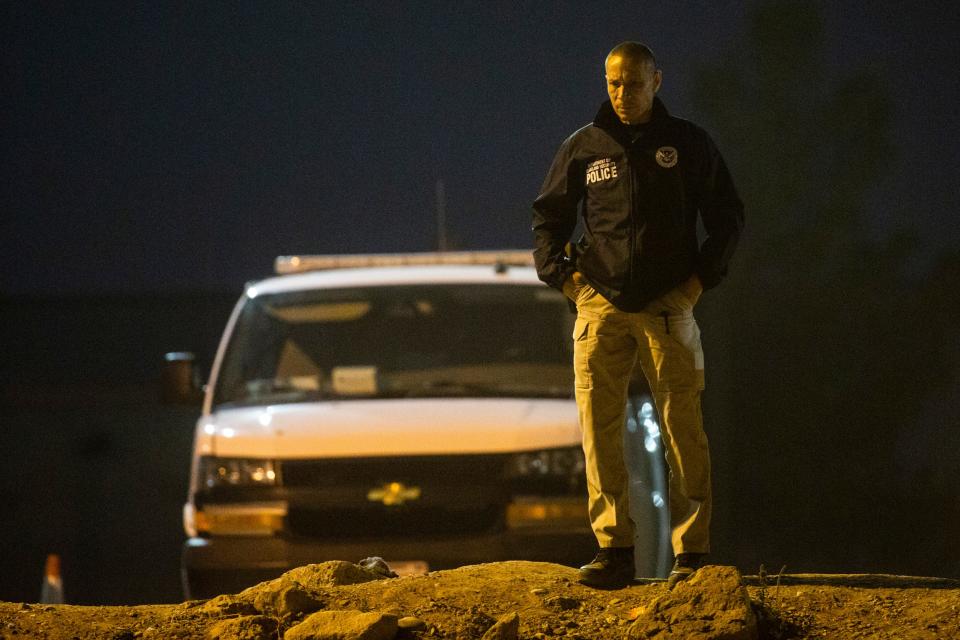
(483,469)
(458,495)
(378,521)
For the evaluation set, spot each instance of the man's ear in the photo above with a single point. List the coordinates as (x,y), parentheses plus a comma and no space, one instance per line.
(657,79)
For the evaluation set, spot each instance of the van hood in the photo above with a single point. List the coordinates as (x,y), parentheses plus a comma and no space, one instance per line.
(366,428)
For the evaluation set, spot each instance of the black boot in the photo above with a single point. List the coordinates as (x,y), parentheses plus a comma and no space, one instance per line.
(684,566)
(612,568)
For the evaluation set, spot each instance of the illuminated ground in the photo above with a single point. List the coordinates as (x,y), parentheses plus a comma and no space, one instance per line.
(467,602)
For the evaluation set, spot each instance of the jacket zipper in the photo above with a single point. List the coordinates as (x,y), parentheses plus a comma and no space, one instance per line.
(633,220)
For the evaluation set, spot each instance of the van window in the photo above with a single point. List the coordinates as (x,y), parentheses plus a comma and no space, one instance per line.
(450,340)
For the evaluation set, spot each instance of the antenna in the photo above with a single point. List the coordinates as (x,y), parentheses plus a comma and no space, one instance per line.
(441,216)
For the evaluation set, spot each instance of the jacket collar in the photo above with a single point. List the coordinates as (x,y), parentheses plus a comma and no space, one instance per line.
(607,119)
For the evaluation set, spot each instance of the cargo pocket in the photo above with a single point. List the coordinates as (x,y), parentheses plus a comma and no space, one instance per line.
(679,357)
(581,327)
(687,333)
(581,351)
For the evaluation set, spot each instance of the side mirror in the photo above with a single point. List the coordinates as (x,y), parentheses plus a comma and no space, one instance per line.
(180,379)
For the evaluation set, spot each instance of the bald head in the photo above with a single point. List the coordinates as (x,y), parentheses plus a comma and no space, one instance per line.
(632,81)
(633,52)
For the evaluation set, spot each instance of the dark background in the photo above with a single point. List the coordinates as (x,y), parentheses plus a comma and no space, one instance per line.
(156,157)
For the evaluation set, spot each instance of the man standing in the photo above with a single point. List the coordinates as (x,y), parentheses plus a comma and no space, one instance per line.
(640,178)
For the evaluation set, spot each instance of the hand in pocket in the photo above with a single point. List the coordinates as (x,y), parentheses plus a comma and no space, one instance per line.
(572,284)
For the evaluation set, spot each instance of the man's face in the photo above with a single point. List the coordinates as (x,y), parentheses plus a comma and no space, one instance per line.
(631,86)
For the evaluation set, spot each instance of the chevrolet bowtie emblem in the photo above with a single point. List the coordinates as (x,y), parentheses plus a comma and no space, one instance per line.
(393,493)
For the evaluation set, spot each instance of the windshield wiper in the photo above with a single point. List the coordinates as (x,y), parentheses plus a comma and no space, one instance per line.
(449,387)
(480,389)
(274,388)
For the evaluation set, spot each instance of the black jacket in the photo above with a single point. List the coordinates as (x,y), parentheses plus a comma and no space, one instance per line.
(639,193)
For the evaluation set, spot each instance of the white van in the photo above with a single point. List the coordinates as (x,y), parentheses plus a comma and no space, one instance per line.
(417,407)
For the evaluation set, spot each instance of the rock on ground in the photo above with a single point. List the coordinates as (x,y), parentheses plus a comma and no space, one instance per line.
(293,593)
(712,604)
(506,628)
(344,625)
(331,574)
(244,628)
(285,599)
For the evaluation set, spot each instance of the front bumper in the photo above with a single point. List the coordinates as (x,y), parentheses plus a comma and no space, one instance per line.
(228,564)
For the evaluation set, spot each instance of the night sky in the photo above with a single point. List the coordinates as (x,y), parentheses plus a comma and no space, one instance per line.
(175,146)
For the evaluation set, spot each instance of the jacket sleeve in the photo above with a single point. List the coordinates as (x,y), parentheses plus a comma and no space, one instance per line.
(722,213)
(555,216)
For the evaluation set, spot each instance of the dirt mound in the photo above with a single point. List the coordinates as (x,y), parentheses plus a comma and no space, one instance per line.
(507,600)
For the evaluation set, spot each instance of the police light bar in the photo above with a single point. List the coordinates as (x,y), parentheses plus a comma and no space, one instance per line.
(297,264)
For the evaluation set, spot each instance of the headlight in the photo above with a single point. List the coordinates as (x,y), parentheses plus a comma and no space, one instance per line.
(550,462)
(218,472)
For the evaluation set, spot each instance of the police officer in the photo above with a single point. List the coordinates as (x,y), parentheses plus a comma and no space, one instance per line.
(639,178)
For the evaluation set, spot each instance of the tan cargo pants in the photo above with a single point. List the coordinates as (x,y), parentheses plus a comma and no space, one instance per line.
(666,340)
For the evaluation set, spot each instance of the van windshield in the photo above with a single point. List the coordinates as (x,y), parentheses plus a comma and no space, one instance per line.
(458,339)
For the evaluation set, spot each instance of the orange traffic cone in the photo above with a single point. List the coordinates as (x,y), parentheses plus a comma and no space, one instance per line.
(52,590)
